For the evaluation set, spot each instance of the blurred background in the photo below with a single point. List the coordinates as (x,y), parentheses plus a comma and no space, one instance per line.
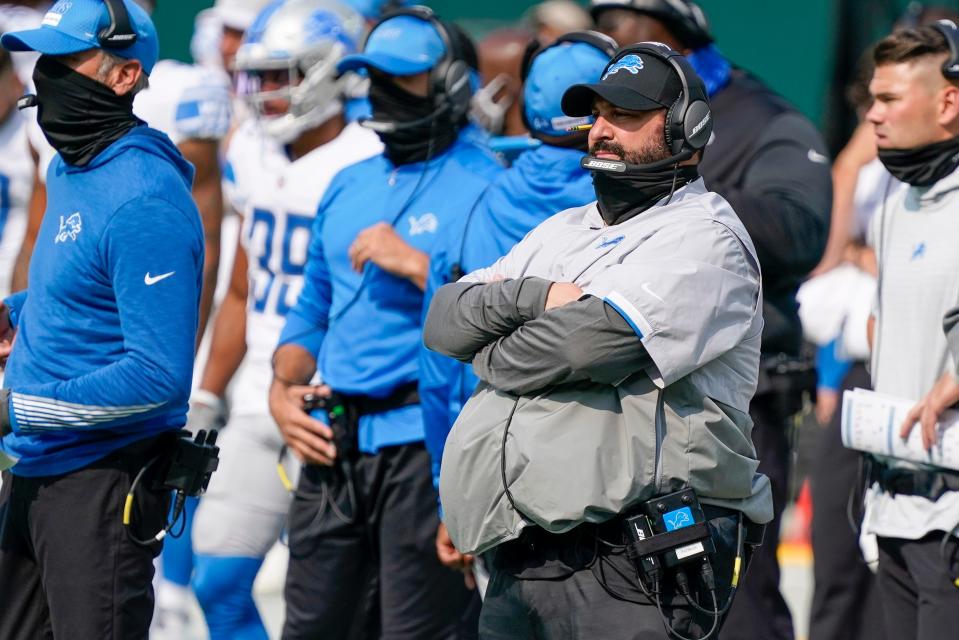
(805,50)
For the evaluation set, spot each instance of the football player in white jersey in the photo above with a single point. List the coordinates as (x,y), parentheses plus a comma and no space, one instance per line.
(192,106)
(279,164)
(16,171)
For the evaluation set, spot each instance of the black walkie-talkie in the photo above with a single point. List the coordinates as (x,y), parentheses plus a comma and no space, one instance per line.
(333,409)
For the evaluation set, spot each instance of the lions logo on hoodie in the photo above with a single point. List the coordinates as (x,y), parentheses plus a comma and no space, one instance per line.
(69,228)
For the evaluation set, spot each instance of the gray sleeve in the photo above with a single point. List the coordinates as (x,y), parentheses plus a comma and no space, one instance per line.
(464,317)
(950,324)
(583,340)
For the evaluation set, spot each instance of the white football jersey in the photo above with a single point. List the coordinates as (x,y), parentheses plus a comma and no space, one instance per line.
(16,185)
(278,200)
(186,101)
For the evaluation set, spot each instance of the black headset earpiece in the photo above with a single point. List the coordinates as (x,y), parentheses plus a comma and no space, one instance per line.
(950,68)
(596,39)
(450,76)
(119,34)
(689,121)
(606,45)
(533,48)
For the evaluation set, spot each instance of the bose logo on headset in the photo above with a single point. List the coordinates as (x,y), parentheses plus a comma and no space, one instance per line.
(702,123)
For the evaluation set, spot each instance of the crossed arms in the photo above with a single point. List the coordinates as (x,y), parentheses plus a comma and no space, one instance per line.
(520,342)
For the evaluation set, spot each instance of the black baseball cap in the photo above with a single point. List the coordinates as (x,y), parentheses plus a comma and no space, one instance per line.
(636,81)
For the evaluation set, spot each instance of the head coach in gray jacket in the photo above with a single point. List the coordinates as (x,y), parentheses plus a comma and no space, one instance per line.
(618,349)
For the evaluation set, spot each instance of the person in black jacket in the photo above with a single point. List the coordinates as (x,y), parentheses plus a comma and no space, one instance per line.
(770,163)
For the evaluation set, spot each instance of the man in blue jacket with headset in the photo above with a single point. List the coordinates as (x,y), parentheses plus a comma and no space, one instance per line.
(364,518)
(100,372)
(542,181)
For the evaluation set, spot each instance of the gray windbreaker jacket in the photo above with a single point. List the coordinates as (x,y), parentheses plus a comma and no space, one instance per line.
(639,388)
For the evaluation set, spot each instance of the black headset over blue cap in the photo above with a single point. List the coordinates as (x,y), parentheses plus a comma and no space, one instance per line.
(600,41)
(119,34)
(450,77)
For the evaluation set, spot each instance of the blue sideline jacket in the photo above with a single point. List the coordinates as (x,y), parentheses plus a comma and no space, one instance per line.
(541,182)
(106,329)
(365,329)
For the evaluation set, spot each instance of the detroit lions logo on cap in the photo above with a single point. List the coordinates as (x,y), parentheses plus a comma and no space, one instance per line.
(632,63)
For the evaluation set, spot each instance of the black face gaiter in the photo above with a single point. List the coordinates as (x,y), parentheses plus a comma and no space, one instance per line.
(79,116)
(419,134)
(922,166)
(624,195)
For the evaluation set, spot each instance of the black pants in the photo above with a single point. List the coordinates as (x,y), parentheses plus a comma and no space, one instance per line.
(571,587)
(67,567)
(378,576)
(918,598)
(845,602)
(760,610)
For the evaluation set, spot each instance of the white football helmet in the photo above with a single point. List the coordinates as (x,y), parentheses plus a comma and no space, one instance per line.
(304,40)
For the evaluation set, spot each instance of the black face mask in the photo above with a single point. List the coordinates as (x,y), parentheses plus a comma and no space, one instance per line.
(922,166)
(420,133)
(626,193)
(79,116)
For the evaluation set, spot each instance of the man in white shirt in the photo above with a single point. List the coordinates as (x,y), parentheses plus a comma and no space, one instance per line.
(913,511)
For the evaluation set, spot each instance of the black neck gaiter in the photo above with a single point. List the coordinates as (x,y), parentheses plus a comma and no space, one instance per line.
(922,166)
(79,116)
(420,133)
(622,196)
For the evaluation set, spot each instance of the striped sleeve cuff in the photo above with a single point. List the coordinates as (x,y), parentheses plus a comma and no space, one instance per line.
(33,413)
(633,316)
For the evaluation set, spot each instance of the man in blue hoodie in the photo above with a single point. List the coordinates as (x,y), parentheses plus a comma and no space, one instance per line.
(99,376)
(546,179)
(364,513)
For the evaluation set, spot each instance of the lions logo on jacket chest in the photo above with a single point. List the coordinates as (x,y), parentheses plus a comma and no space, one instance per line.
(70,228)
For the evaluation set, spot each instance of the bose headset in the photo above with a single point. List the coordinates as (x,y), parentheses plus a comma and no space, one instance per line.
(689,121)
(119,34)
(449,78)
(606,45)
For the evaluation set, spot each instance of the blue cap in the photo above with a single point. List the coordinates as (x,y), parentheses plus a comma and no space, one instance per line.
(71,26)
(400,46)
(554,71)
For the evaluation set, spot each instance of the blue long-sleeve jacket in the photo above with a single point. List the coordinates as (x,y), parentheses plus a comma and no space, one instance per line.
(365,329)
(541,182)
(106,329)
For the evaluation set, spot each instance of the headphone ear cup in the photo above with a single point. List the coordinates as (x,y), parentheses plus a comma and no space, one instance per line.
(674,128)
(533,47)
(456,88)
(697,124)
